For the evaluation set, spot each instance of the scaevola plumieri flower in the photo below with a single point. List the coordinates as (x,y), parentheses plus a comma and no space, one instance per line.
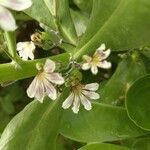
(26,50)
(7,21)
(81,94)
(98,60)
(43,83)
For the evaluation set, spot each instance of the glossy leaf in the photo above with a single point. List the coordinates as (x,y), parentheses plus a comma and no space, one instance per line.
(40,12)
(102,123)
(122,25)
(80,21)
(35,128)
(52,6)
(102,146)
(126,73)
(66,25)
(138,101)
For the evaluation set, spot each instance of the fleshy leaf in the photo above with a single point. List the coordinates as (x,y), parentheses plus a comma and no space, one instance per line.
(138,101)
(127,72)
(121,25)
(103,146)
(102,123)
(34,128)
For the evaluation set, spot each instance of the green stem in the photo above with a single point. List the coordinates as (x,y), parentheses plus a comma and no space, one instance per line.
(11,44)
(28,68)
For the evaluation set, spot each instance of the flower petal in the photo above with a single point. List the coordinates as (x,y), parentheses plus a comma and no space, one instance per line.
(105,54)
(50,90)
(49,66)
(102,47)
(28,45)
(86,103)
(87,58)
(26,50)
(55,78)
(91,87)
(90,94)
(104,64)
(39,91)
(16,4)
(94,69)
(20,46)
(24,56)
(7,21)
(36,89)
(32,87)
(68,102)
(31,55)
(86,66)
(76,104)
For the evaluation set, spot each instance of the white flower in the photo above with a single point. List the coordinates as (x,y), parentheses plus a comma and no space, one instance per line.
(43,82)
(7,21)
(26,50)
(81,94)
(98,60)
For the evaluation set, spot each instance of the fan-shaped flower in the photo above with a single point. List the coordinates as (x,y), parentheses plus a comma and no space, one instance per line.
(7,21)
(81,94)
(26,50)
(43,82)
(98,60)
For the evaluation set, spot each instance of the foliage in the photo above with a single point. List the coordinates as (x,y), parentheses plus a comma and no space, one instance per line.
(120,118)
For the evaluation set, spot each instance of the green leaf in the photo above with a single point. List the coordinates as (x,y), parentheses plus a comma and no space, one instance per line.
(66,25)
(141,144)
(35,128)
(67,47)
(40,12)
(137,102)
(122,25)
(126,73)
(52,6)
(102,146)
(80,21)
(102,123)
(84,6)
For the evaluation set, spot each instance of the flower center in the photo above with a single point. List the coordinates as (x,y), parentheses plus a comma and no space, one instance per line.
(77,89)
(41,75)
(96,59)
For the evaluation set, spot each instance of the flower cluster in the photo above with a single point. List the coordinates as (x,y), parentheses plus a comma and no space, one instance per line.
(45,82)
(7,21)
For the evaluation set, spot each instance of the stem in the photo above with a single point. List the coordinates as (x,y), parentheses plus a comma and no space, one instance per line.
(28,68)
(11,44)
